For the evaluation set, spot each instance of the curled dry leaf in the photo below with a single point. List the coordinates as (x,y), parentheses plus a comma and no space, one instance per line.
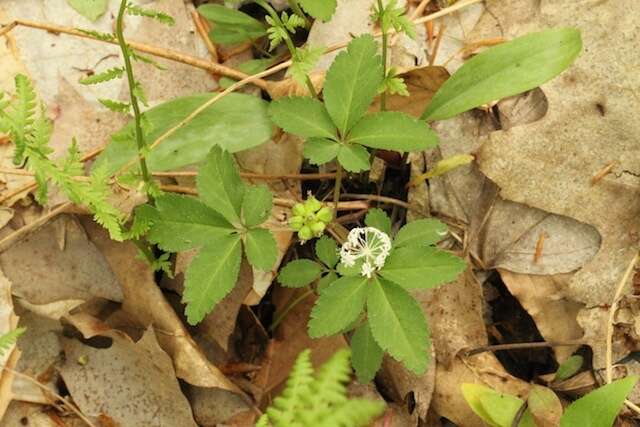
(592,121)
(133,384)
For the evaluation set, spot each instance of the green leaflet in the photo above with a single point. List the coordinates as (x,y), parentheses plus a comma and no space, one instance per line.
(220,186)
(326,280)
(422,232)
(600,407)
(398,324)
(9,339)
(505,70)
(390,130)
(261,248)
(353,157)
(231,26)
(366,354)
(352,82)
(338,306)
(327,251)
(211,276)
(376,218)
(303,116)
(256,205)
(319,9)
(90,9)
(416,267)
(105,76)
(181,223)
(320,151)
(299,273)
(236,122)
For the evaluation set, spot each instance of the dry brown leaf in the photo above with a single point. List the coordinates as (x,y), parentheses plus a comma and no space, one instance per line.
(591,122)
(9,358)
(554,314)
(132,383)
(33,415)
(545,406)
(144,302)
(41,272)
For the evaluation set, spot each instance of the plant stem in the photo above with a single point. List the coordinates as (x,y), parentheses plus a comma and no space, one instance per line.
(134,99)
(288,308)
(287,40)
(337,186)
(385,45)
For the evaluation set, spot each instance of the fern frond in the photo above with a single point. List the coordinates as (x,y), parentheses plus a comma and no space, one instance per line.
(96,195)
(297,389)
(139,93)
(142,220)
(115,106)
(105,37)
(148,13)
(20,117)
(110,74)
(352,413)
(9,339)
(147,60)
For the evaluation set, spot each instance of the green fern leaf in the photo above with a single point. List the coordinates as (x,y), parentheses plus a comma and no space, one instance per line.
(148,13)
(21,116)
(284,408)
(9,339)
(115,106)
(110,74)
(105,37)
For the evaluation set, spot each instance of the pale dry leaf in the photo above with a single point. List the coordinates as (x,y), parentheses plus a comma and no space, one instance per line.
(145,303)
(42,273)
(9,359)
(555,315)
(132,383)
(592,121)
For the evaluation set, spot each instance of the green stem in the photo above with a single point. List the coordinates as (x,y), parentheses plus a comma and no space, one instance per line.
(293,4)
(280,317)
(287,40)
(134,99)
(336,188)
(385,46)
(145,250)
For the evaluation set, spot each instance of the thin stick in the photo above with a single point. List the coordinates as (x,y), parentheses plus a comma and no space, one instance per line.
(287,203)
(434,55)
(31,227)
(160,52)
(612,312)
(376,198)
(521,345)
(202,31)
(46,389)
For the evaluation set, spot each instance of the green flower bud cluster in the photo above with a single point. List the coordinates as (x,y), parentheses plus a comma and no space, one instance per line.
(310,218)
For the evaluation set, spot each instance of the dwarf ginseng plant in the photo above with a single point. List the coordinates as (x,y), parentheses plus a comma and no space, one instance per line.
(365,287)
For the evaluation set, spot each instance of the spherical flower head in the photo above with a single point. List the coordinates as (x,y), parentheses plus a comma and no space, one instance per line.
(368,245)
(310,218)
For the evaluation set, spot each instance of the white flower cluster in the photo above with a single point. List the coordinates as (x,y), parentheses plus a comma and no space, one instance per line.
(368,244)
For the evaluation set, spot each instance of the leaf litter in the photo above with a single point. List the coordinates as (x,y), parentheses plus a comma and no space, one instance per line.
(529,208)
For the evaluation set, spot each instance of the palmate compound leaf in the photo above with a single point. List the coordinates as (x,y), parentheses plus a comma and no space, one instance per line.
(422,232)
(352,82)
(320,150)
(366,353)
(419,267)
(302,116)
(505,70)
(299,273)
(338,306)
(353,157)
(392,130)
(600,407)
(398,324)
(220,186)
(211,276)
